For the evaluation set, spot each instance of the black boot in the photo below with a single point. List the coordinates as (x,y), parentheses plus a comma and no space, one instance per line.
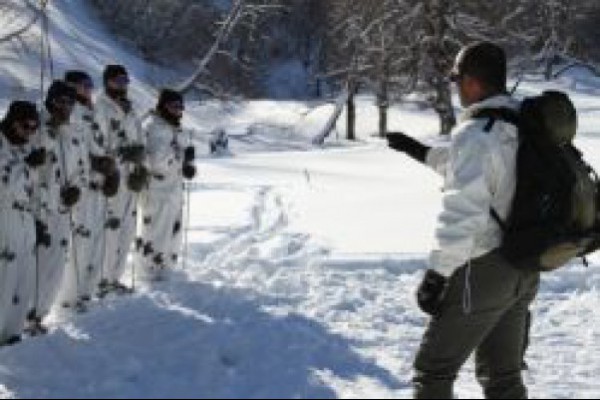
(35,327)
(121,289)
(11,341)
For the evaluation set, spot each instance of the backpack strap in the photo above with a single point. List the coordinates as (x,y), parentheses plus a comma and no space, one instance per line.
(498,220)
(494,114)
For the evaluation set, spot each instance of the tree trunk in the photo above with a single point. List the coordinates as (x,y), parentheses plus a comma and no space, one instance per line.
(443,106)
(383,121)
(383,105)
(439,56)
(551,62)
(351,111)
(331,123)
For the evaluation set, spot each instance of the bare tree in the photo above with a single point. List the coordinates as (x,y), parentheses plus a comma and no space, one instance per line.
(557,33)
(390,44)
(450,24)
(227,26)
(370,44)
(438,49)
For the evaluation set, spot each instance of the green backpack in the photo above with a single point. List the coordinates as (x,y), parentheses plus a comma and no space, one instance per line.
(555,212)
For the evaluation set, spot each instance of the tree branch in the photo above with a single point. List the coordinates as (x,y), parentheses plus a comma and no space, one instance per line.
(15,34)
(222,36)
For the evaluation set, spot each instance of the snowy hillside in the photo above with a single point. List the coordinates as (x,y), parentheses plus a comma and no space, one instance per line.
(302,264)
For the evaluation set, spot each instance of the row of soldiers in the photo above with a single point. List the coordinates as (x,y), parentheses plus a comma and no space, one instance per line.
(82,183)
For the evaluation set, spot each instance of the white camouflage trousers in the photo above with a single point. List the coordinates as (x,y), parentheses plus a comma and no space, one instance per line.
(17,270)
(52,263)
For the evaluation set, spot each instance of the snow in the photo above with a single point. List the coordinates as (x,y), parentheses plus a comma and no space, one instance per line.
(302,262)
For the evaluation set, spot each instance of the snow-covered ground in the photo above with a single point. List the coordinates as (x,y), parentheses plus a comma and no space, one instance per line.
(301,269)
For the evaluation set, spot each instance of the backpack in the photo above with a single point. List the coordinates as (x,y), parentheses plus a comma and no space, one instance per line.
(555,212)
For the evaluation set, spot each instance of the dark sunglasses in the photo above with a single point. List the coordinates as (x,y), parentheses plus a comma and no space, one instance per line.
(64,101)
(122,80)
(455,77)
(88,84)
(29,126)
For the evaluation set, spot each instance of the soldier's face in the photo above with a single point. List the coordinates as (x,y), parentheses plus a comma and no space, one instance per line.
(63,107)
(24,130)
(175,108)
(85,89)
(119,84)
(470,90)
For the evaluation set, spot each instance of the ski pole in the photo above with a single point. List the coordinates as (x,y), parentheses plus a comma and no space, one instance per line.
(187,224)
(188,206)
(133,271)
(74,228)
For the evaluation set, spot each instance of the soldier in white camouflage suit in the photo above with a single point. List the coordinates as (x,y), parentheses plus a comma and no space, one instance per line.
(170,159)
(121,126)
(102,182)
(61,178)
(19,163)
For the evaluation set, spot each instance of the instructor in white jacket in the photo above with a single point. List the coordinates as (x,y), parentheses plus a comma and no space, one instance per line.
(477,300)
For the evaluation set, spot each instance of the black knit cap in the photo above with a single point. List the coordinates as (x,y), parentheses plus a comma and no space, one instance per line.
(21,111)
(485,61)
(114,71)
(76,77)
(169,96)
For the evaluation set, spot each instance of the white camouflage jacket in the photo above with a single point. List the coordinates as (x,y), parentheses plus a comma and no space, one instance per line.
(92,136)
(480,174)
(66,165)
(166,146)
(118,128)
(17,180)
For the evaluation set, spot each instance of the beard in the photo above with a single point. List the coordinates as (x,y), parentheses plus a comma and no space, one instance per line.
(84,101)
(61,116)
(117,94)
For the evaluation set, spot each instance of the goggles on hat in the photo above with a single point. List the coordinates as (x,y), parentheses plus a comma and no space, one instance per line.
(64,101)
(455,76)
(29,125)
(88,84)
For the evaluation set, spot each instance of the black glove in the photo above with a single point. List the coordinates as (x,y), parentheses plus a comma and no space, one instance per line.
(70,195)
(42,236)
(138,179)
(133,154)
(36,158)
(113,224)
(103,165)
(432,292)
(111,184)
(189,171)
(189,155)
(413,148)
